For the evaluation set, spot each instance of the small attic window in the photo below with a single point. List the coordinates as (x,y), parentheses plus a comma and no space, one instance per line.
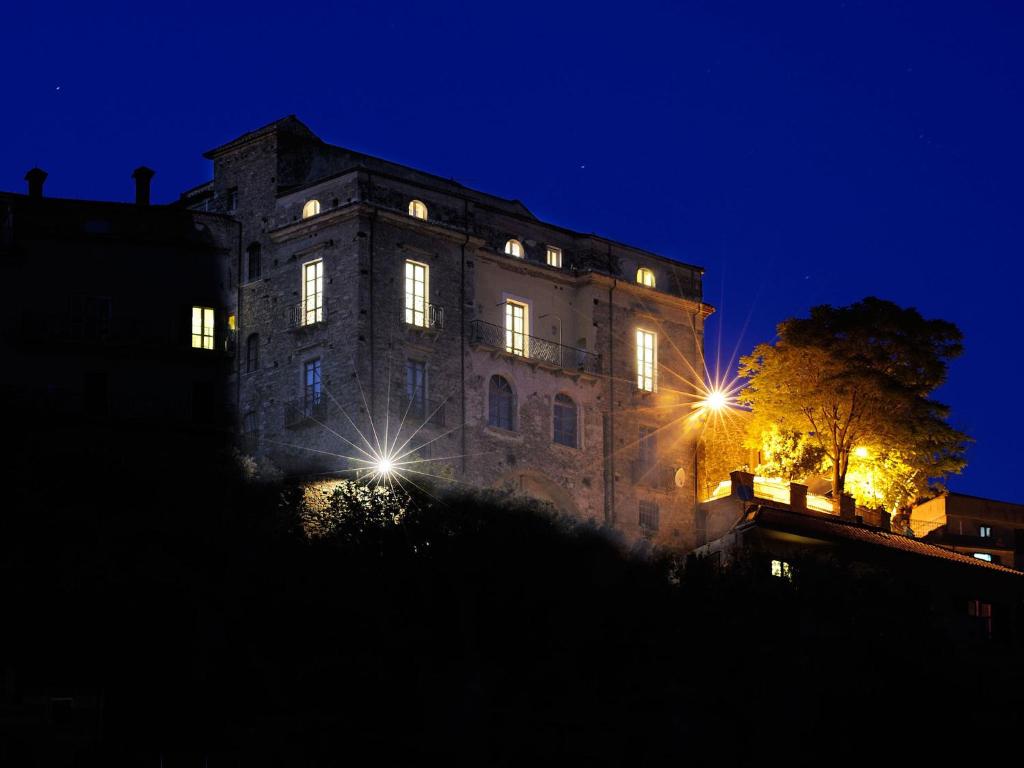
(418,210)
(644,276)
(311,208)
(514,248)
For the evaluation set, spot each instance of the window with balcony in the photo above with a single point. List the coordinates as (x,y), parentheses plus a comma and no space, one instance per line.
(646,360)
(416,388)
(202,328)
(564,418)
(252,353)
(514,248)
(516,335)
(311,208)
(501,404)
(644,276)
(554,257)
(313,292)
(649,517)
(416,292)
(312,388)
(418,210)
(254,266)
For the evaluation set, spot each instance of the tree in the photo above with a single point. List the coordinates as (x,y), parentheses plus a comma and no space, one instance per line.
(857,376)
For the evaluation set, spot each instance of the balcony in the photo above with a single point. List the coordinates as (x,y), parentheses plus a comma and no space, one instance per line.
(434,318)
(300,412)
(536,349)
(656,476)
(304,315)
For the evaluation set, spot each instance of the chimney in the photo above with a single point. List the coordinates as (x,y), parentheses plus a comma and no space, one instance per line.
(798,497)
(847,507)
(742,485)
(142,176)
(35,179)
(884,521)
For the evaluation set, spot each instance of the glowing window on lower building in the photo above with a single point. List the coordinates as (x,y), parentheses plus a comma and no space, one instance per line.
(515,328)
(554,257)
(983,556)
(416,288)
(202,328)
(985,531)
(782,569)
(646,360)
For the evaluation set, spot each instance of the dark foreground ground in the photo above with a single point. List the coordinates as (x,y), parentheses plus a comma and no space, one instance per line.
(182,617)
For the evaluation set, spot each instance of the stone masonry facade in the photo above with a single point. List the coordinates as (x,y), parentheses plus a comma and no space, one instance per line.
(569,422)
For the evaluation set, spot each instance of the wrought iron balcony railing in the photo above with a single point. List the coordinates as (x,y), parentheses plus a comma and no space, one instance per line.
(534,348)
(305,314)
(434,318)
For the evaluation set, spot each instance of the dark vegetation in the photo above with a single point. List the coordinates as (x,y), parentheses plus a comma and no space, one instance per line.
(471,631)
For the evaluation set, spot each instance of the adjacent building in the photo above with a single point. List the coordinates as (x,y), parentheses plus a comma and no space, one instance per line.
(982,528)
(385,313)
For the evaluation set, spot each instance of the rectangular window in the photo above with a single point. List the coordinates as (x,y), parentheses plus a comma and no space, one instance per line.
(416,388)
(782,570)
(983,556)
(232,196)
(202,328)
(515,328)
(554,257)
(985,531)
(647,448)
(313,292)
(312,387)
(646,360)
(416,292)
(982,612)
(648,518)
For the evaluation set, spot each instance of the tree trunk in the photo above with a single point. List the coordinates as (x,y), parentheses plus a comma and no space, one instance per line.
(838,484)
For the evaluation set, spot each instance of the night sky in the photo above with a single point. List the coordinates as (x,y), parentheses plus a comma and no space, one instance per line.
(802,153)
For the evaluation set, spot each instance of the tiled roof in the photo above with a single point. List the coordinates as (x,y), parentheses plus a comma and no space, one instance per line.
(827,526)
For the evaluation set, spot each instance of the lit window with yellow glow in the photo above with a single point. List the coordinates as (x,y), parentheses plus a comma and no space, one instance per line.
(514,248)
(554,257)
(313,292)
(515,328)
(202,328)
(646,360)
(781,569)
(416,288)
(311,208)
(644,276)
(418,210)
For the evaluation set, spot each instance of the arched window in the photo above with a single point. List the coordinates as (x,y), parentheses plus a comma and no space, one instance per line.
(252,353)
(644,276)
(254,267)
(418,210)
(564,416)
(514,248)
(311,208)
(501,404)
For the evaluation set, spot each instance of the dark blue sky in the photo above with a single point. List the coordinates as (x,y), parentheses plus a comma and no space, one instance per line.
(802,153)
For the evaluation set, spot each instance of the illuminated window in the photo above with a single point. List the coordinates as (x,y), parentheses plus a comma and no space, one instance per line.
(564,417)
(782,569)
(515,328)
(312,389)
(514,248)
(253,257)
(646,360)
(418,210)
(252,353)
(644,276)
(649,516)
(983,556)
(554,257)
(985,532)
(311,208)
(416,293)
(416,388)
(501,404)
(202,328)
(313,292)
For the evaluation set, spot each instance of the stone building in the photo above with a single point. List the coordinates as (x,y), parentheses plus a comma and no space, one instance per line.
(502,350)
